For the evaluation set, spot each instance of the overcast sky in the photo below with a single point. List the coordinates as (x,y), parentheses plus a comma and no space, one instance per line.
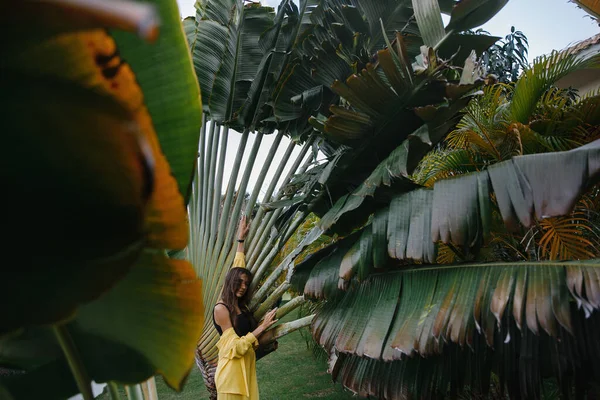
(548,24)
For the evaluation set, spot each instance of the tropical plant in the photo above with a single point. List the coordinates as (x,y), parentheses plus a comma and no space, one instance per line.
(488,134)
(508,57)
(249,44)
(99,174)
(396,324)
(286,70)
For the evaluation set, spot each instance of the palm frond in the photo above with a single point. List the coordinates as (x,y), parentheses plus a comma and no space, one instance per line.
(564,238)
(535,81)
(444,164)
(447,255)
(458,210)
(519,321)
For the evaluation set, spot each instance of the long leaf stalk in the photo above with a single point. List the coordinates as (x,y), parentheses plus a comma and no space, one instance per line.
(150,385)
(291,326)
(261,253)
(205,187)
(273,253)
(208,156)
(208,266)
(258,219)
(270,255)
(263,266)
(271,300)
(196,223)
(74,360)
(290,306)
(211,181)
(219,185)
(230,193)
(261,293)
(263,173)
(216,192)
(265,258)
(208,184)
(264,239)
(113,390)
(134,392)
(235,214)
(293,170)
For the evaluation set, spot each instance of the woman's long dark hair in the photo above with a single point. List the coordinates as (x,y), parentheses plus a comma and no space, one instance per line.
(230,287)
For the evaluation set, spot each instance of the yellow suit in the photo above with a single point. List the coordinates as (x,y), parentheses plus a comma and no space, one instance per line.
(235,377)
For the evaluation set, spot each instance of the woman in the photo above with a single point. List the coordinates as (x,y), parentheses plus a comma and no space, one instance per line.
(235,377)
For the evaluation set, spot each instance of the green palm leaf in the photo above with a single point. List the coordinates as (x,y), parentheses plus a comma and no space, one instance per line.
(458,210)
(537,80)
(226,53)
(438,165)
(475,317)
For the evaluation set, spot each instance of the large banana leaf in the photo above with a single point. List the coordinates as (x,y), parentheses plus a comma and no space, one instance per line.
(171,93)
(226,52)
(470,14)
(97,221)
(119,203)
(248,46)
(458,210)
(426,315)
(519,321)
(118,337)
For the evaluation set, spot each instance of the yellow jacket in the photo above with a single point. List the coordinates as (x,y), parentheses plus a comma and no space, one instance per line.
(236,369)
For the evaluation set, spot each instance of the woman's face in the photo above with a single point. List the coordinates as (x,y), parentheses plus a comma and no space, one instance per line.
(243,283)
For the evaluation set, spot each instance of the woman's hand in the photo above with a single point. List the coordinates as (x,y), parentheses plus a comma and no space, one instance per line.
(243,228)
(266,323)
(269,319)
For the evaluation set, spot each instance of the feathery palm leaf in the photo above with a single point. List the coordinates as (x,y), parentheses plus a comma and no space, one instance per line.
(535,81)
(444,164)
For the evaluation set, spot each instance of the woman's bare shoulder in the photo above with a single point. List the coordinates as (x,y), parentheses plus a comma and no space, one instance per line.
(221,314)
(221,308)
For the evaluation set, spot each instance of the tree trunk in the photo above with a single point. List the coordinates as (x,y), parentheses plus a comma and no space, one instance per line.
(207,368)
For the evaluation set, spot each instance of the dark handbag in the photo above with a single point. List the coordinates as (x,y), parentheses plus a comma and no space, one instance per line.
(263,350)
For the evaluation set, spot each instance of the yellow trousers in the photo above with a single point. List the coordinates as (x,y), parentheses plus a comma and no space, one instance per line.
(229,396)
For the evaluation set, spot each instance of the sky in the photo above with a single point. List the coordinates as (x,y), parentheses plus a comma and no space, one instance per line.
(548,24)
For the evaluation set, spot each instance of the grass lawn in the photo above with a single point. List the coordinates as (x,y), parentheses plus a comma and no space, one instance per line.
(289,373)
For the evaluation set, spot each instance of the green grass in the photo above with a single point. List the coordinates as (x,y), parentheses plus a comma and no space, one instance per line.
(291,372)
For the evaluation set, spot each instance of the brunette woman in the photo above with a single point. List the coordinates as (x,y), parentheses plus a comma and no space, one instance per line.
(235,377)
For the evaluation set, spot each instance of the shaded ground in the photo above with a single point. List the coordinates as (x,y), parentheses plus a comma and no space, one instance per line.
(290,373)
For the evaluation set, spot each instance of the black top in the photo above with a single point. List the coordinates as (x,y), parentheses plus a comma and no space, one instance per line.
(244,323)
